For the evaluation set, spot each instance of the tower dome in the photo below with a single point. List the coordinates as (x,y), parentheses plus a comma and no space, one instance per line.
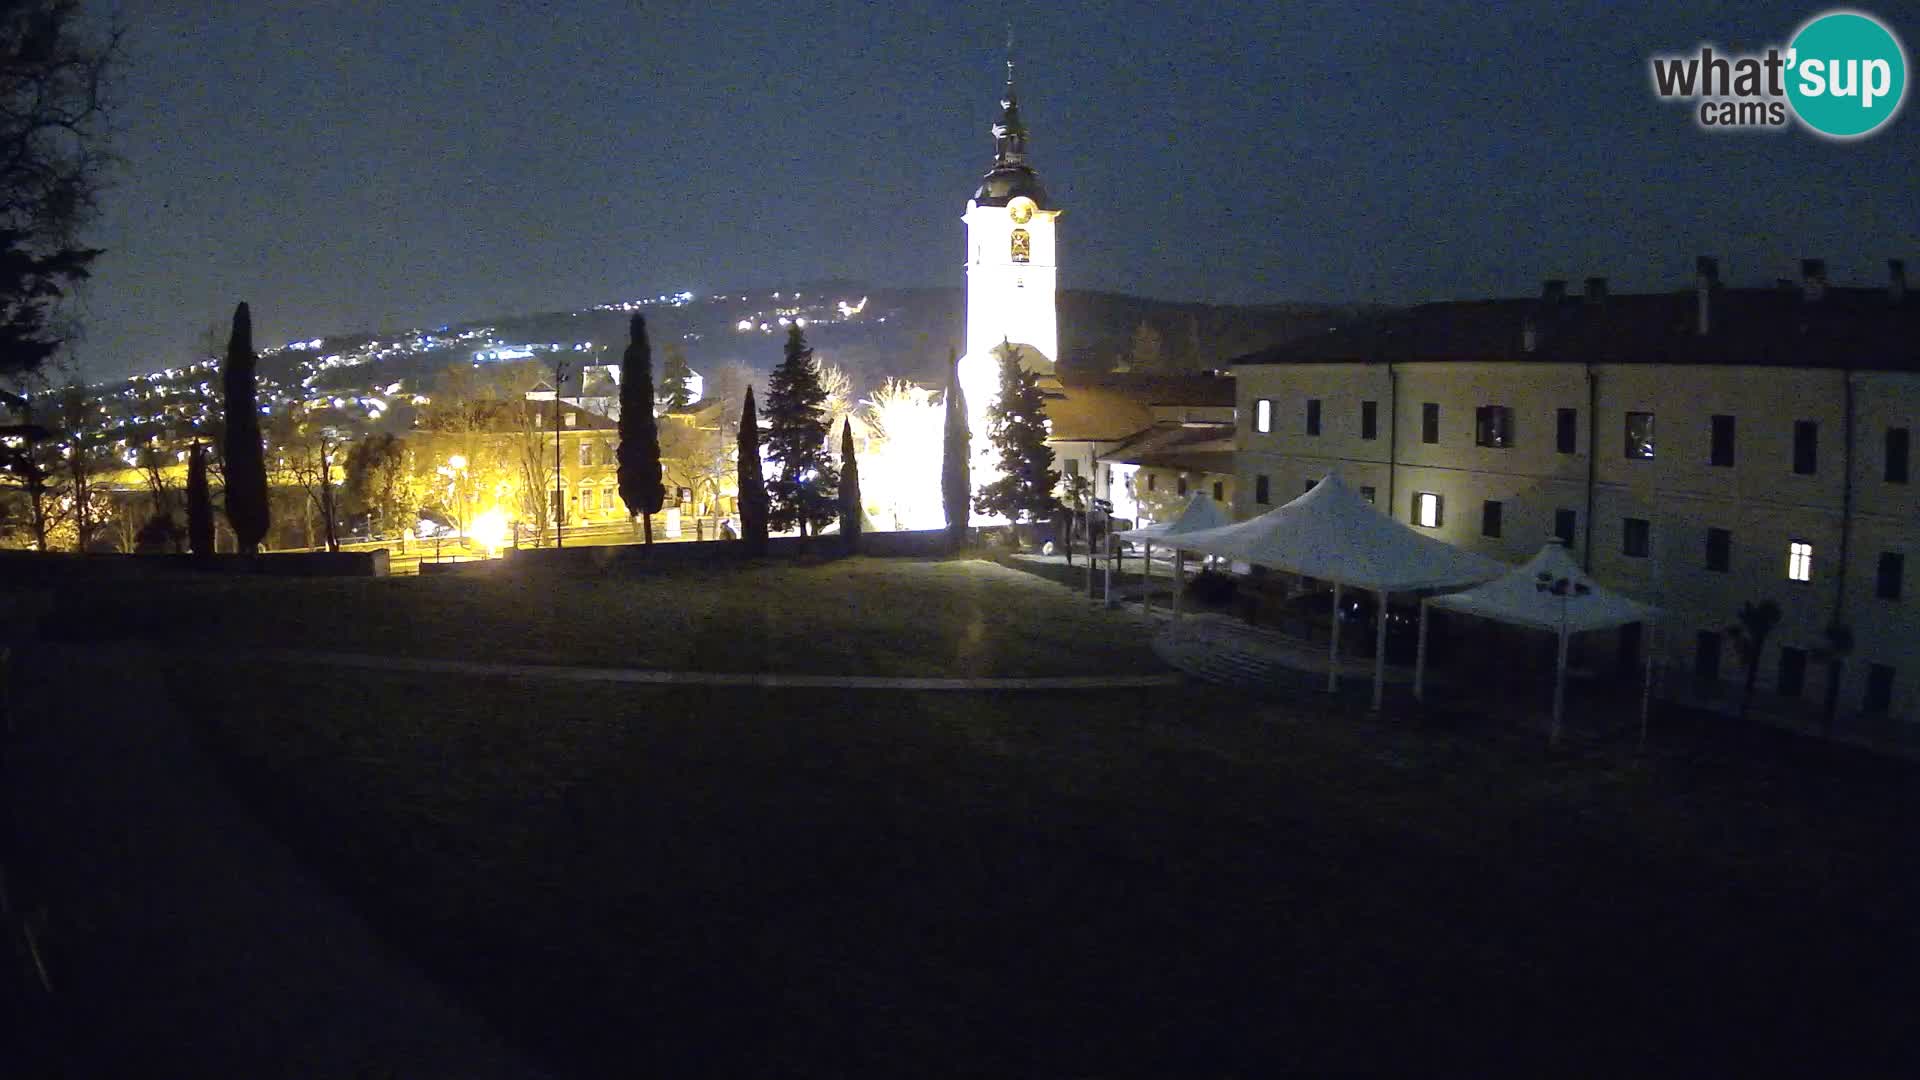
(1011,177)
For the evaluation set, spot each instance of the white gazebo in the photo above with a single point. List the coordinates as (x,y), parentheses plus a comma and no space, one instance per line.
(1550,592)
(1333,534)
(1201,512)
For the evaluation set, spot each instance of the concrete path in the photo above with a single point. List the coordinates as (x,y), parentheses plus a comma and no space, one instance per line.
(182,938)
(709,678)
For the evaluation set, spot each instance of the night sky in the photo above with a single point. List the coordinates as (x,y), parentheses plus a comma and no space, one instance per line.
(447,161)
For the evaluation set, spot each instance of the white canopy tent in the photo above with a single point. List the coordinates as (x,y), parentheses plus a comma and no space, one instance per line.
(1201,512)
(1333,534)
(1550,592)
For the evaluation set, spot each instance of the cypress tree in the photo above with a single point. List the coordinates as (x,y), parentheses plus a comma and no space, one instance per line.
(199,502)
(674,375)
(956,492)
(640,486)
(753,489)
(802,495)
(1017,427)
(247,507)
(849,490)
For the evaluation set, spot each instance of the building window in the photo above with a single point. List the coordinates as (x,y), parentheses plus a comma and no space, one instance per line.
(1260,490)
(606,498)
(1181,484)
(1369,419)
(1634,536)
(1072,465)
(1367,494)
(1426,509)
(572,419)
(1430,423)
(1153,481)
(1706,654)
(1806,447)
(586,452)
(586,498)
(1640,435)
(1564,522)
(539,420)
(1490,519)
(1022,246)
(1893,568)
(1566,430)
(1719,550)
(1793,673)
(1263,415)
(1493,426)
(1721,453)
(1896,455)
(1219,491)
(1313,416)
(1311,484)
(1879,689)
(1799,561)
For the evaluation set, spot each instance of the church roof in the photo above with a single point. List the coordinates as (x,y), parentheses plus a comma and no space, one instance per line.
(1011,177)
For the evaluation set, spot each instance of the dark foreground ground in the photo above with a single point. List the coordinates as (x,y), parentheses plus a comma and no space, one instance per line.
(1172,881)
(627,880)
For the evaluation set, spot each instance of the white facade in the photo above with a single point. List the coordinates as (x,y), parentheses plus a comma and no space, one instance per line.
(1012,261)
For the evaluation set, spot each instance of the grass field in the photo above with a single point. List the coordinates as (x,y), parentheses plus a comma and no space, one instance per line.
(852,616)
(1176,881)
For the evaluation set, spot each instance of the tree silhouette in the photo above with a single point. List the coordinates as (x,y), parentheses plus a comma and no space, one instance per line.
(850,510)
(246,458)
(956,493)
(1751,628)
(802,494)
(1017,428)
(640,486)
(674,374)
(753,487)
(199,502)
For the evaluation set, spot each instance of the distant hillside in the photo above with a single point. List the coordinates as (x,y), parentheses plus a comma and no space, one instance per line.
(874,334)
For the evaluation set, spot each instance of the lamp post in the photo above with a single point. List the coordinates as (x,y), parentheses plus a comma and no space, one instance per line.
(1564,588)
(559,488)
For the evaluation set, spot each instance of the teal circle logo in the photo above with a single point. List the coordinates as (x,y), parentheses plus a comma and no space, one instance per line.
(1847,74)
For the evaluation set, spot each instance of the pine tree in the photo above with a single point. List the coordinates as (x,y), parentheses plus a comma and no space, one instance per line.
(753,486)
(956,492)
(1017,429)
(674,375)
(640,486)
(850,510)
(802,495)
(247,507)
(199,502)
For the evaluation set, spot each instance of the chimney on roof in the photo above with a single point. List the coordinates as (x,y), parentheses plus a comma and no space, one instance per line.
(1706,278)
(1897,280)
(1552,291)
(1813,278)
(1596,290)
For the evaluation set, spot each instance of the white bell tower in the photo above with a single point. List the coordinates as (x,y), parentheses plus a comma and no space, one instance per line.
(1012,260)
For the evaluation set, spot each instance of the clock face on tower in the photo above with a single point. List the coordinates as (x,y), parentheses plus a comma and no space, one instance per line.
(1022,211)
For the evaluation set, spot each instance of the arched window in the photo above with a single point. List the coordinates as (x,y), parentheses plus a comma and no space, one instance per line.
(1022,246)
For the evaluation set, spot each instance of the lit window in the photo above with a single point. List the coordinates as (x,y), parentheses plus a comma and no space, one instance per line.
(1263,415)
(586,452)
(1022,246)
(1426,509)
(571,419)
(1799,561)
(1640,435)
(586,499)
(606,498)
(1493,426)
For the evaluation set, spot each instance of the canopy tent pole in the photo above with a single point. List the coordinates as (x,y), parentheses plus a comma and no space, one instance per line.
(1179,579)
(1560,676)
(1106,599)
(1646,686)
(1380,649)
(1420,658)
(1333,645)
(1146,578)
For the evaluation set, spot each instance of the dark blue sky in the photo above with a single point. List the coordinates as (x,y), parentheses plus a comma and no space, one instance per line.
(342,170)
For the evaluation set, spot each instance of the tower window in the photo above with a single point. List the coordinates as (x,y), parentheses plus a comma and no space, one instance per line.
(1263,415)
(1022,246)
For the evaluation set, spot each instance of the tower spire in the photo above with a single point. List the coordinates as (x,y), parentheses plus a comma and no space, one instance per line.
(1009,134)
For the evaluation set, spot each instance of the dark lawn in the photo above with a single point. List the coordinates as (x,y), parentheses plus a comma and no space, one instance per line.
(852,616)
(632,881)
